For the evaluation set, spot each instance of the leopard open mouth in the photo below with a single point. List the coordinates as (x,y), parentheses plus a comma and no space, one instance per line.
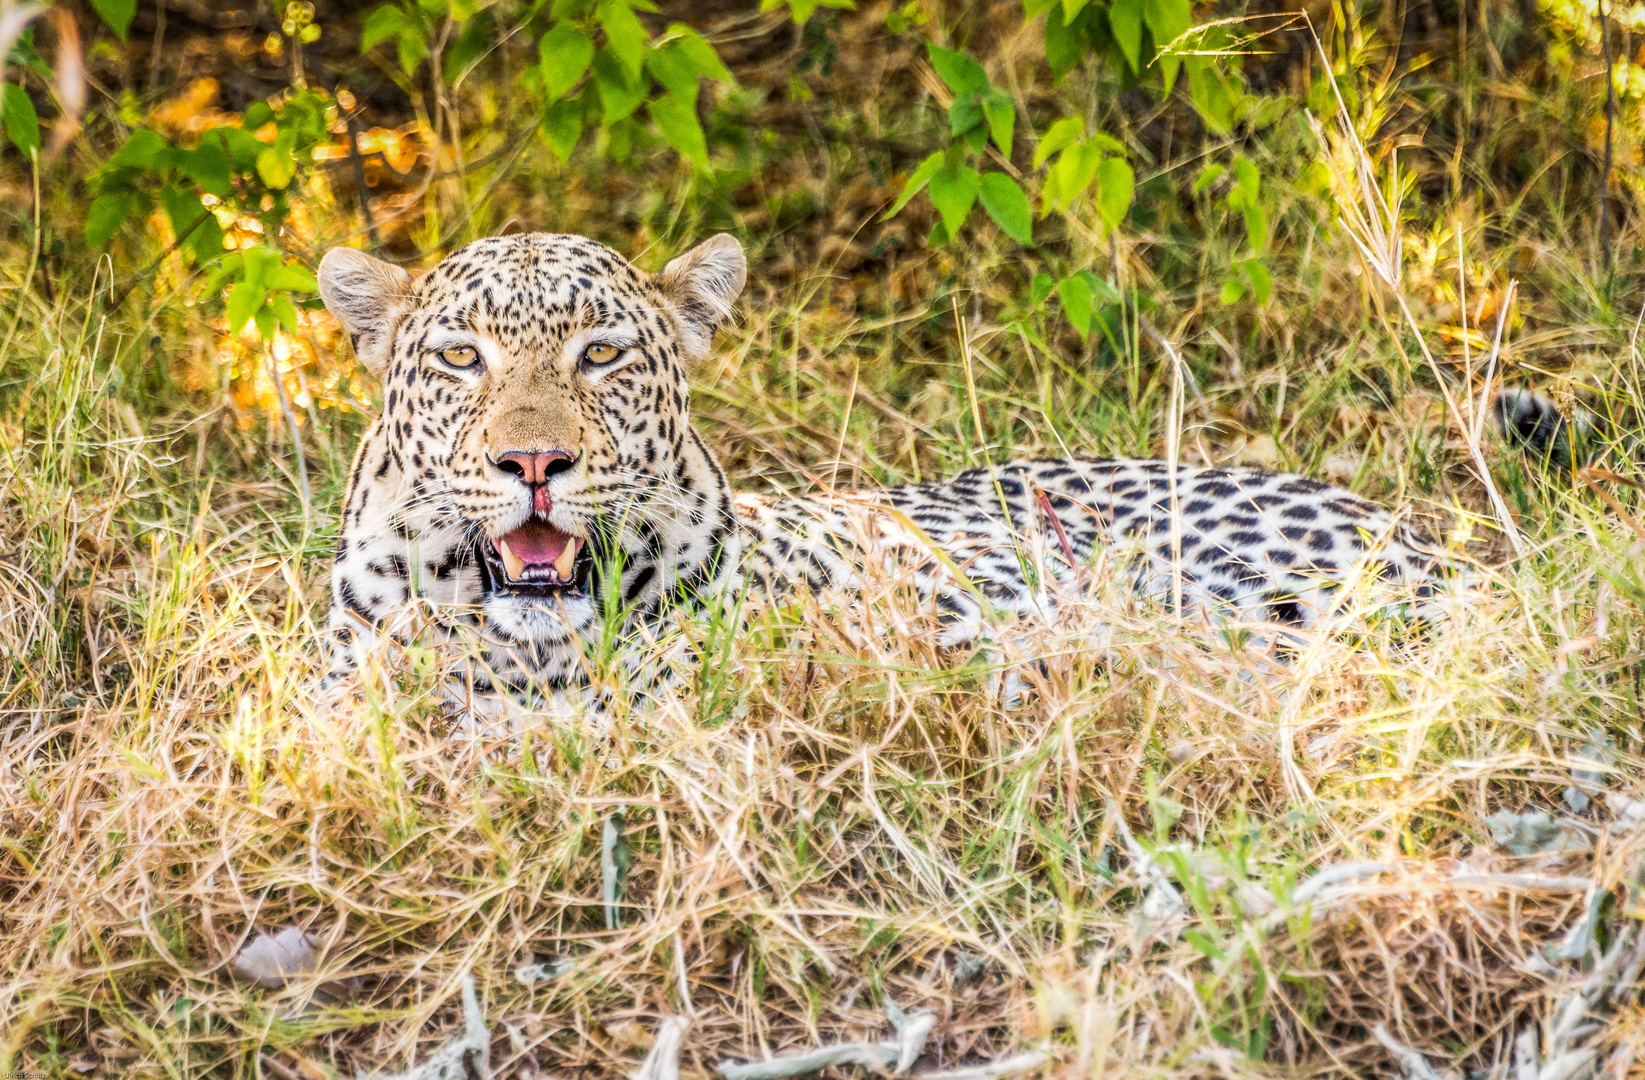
(536,560)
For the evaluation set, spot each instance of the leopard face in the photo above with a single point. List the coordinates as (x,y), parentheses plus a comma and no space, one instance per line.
(535,426)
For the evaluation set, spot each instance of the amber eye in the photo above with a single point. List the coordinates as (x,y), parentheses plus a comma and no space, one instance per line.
(460,356)
(601,355)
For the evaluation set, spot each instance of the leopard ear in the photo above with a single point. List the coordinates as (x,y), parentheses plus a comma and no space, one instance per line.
(364,294)
(704,283)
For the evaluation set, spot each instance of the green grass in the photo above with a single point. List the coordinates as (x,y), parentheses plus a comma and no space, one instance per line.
(823,821)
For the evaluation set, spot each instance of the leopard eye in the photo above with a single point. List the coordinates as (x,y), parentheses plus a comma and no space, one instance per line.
(600,355)
(460,356)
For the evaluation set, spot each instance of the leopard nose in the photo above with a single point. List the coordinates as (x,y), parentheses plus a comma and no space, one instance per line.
(535,466)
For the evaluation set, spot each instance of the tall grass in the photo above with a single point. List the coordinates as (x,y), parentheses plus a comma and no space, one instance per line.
(824,821)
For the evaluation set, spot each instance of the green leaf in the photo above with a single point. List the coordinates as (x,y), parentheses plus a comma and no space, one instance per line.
(1232,290)
(1199,940)
(563,125)
(142,150)
(231,265)
(619,95)
(256,115)
(460,55)
(1210,94)
(385,22)
(1002,119)
(1261,283)
(265,322)
(916,181)
(1208,176)
(1256,227)
(117,13)
(619,139)
(107,213)
(17,113)
(189,215)
(1064,46)
(670,66)
(244,301)
(1115,185)
(1008,206)
(208,166)
(1247,178)
(413,50)
(1104,141)
(206,241)
(1169,65)
(801,10)
(962,74)
(625,35)
(1075,293)
(1125,20)
(953,192)
(286,312)
(276,168)
(1058,136)
(289,277)
(565,53)
(677,120)
(701,53)
(1167,20)
(260,261)
(1039,290)
(1070,176)
(241,145)
(964,115)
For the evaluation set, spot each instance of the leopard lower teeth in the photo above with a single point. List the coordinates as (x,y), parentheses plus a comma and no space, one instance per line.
(511,562)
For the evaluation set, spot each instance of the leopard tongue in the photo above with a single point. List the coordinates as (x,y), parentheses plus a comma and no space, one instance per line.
(538,551)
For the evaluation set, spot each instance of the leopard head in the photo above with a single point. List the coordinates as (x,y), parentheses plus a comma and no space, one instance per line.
(535,393)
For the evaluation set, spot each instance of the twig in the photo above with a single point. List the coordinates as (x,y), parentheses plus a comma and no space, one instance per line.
(894,1057)
(1527,882)
(296,434)
(845,421)
(1610,119)
(1411,1062)
(610,875)
(268,1062)
(1056,523)
(159,40)
(1011,1066)
(1589,475)
(361,195)
(158,260)
(663,1063)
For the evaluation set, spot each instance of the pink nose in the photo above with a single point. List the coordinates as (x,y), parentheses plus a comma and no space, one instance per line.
(535,466)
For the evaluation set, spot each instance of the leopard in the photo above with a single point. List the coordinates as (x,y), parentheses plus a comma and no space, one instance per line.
(534,478)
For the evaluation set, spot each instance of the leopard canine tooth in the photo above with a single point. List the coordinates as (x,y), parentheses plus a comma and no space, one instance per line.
(568,556)
(511,562)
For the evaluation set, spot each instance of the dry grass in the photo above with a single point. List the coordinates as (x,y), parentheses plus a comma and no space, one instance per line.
(823,821)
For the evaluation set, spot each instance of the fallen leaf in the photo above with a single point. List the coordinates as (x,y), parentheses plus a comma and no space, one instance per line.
(271,959)
(630,1033)
(1533,833)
